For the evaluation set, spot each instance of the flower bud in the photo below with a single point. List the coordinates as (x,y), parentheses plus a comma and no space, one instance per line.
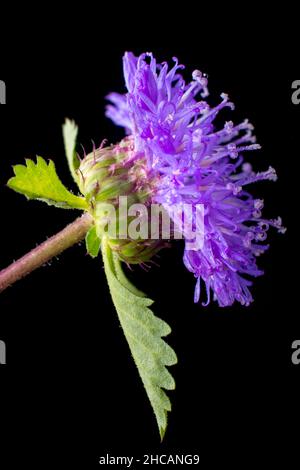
(106,174)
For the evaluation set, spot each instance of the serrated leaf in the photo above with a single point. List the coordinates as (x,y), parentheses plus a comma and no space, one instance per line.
(70,131)
(40,181)
(144,332)
(92,242)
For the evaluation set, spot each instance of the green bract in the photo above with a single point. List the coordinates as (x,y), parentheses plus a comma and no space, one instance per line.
(70,131)
(93,242)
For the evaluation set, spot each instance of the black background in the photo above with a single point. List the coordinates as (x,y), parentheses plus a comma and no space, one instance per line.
(70,392)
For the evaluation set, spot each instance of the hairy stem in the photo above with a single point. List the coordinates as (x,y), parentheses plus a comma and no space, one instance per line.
(55,245)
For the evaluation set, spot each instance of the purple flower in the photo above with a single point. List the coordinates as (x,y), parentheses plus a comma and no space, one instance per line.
(173,128)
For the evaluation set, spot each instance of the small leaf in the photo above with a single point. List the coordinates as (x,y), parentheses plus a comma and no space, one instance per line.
(92,242)
(40,181)
(70,131)
(144,332)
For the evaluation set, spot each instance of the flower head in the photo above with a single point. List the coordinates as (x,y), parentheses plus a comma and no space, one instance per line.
(173,130)
(104,175)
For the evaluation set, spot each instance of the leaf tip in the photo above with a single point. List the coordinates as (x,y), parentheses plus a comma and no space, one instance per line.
(162,432)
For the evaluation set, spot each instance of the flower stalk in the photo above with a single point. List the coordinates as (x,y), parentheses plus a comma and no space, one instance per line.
(69,236)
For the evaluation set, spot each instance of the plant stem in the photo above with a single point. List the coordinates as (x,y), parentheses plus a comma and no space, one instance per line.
(55,245)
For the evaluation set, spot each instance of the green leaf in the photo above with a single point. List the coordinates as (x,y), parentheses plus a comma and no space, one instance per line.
(40,181)
(92,242)
(144,332)
(70,131)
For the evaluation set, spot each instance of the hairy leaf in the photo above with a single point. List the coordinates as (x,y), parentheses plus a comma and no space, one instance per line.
(70,131)
(40,181)
(144,332)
